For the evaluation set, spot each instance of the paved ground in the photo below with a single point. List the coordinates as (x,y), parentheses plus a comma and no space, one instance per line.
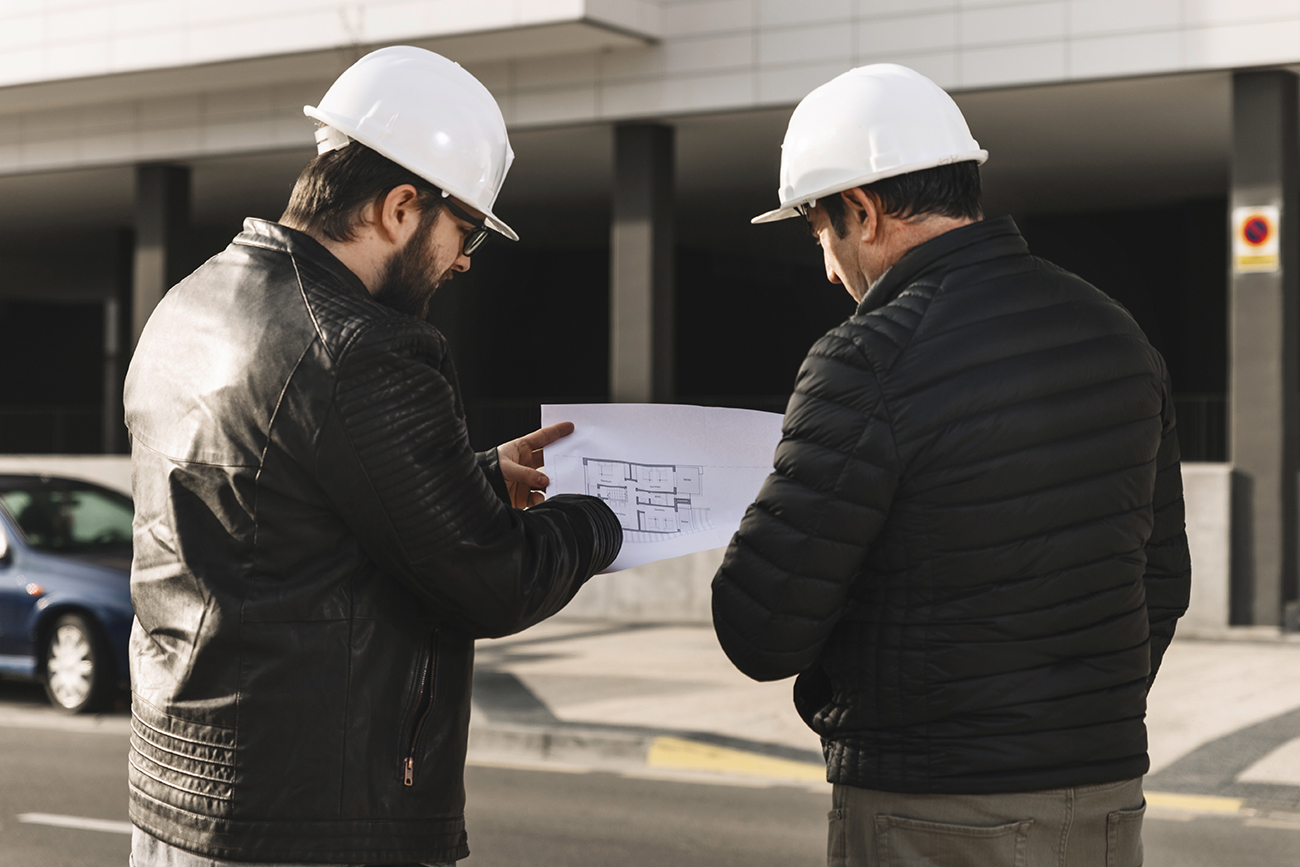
(596,744)
(1224,719)
(1236,702)
(51,765)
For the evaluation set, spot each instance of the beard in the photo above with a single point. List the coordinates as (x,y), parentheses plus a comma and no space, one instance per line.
(409,278)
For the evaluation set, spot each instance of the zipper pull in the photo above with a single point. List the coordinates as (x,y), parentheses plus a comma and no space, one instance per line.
(409,779)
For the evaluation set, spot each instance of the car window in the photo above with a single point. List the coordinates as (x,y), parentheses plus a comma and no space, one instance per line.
(71,520)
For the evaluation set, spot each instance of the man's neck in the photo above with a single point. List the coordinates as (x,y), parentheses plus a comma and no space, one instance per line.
(907,234)
(359,258)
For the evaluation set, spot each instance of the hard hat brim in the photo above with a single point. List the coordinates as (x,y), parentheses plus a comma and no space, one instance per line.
(979,157)
(775,216)
(491,220)
(497,225)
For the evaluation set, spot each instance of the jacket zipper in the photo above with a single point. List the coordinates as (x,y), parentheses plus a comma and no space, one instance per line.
(424,704)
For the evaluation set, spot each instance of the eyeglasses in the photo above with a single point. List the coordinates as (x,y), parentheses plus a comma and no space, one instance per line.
(475,237)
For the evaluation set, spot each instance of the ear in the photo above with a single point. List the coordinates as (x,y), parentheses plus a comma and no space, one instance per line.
(397,215)
(863,207)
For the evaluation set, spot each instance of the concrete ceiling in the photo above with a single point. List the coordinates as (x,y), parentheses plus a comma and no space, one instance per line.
(1090,146)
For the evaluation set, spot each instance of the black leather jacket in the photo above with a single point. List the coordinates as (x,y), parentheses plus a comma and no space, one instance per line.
(972,548)
(316,547)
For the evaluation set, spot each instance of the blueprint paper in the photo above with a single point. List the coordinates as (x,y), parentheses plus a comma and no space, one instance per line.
(678,477)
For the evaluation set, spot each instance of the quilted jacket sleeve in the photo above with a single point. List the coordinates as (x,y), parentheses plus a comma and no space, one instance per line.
(1168,576)
(785,577)
(394,457)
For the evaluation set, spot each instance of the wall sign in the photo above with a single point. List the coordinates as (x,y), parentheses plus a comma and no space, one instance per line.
(1255,239)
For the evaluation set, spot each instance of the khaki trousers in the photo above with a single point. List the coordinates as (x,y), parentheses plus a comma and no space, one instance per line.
(1087,826)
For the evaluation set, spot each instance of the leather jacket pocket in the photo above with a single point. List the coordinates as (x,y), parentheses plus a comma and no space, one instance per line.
(426,692)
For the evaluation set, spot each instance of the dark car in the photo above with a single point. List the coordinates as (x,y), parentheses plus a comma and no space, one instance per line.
(65,588)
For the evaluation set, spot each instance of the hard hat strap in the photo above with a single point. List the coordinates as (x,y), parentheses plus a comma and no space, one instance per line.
(330,139)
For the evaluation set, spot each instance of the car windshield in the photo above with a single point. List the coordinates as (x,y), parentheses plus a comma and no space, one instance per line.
(69,517)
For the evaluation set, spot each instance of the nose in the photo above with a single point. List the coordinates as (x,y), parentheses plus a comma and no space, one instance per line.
(461,265)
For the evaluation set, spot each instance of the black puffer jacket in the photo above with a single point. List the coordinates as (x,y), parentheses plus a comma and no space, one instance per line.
(316,547)
(972,548)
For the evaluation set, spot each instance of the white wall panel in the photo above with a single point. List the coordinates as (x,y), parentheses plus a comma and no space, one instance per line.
(792,45)
(549,72)
(1110,56)
(22,32)
(1013,64)
(868,8)
(1242,45)
(81,38)
(782,13)
(1200,12)
(555,105)
(697,55)
(909,33)
(719,52)
(1098,17)
(709,16)
(1035,22)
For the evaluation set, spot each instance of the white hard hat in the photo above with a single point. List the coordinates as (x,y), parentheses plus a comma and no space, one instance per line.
(426,114)
(870,123)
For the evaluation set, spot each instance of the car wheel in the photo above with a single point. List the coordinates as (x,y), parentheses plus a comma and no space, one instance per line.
(77,678)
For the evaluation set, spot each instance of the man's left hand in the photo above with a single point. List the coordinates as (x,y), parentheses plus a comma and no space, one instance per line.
(519,460)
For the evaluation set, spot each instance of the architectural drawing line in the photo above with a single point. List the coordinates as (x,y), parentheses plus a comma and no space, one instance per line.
(653,502)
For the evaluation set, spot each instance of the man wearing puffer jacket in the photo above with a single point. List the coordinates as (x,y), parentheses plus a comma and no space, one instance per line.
(971,550)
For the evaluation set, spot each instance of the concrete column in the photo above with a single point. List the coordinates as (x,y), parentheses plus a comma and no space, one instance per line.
(641,265)
(117,343)
(112,412)
(1263,356)
(162,216)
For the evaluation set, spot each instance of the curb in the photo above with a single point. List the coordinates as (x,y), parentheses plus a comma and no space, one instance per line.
(619,748)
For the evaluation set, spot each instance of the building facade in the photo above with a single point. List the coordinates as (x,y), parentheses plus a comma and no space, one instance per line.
(135,135)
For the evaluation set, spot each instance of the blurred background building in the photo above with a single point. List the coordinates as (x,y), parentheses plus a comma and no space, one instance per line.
(135,135)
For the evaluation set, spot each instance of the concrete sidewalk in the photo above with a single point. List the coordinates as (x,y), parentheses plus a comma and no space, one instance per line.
(621,696)
(1224,716)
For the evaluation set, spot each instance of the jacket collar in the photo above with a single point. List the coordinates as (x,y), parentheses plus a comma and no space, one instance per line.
(300,245)
(996,238)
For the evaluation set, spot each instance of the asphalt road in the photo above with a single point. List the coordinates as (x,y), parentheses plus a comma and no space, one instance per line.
(58,773)
(528,818)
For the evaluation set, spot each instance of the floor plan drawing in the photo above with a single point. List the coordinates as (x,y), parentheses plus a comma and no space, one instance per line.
(679,477)
(654,502)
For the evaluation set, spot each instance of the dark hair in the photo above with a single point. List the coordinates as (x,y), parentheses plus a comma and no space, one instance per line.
(337,185)
(943,191)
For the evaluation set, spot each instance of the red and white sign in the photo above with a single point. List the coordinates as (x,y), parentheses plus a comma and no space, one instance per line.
(1255,239)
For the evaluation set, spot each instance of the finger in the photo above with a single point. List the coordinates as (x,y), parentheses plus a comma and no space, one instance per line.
(538,481)
(536,497)
(547,435)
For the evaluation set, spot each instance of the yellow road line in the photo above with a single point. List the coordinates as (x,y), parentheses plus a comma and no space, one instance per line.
(1195,803)
(1279,824)
(666,752)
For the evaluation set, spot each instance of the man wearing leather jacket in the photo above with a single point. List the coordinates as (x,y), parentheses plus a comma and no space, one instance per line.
(316,545)
(971,551)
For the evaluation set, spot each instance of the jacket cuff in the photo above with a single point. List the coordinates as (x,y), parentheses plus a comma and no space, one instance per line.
(607,533)
(490,463)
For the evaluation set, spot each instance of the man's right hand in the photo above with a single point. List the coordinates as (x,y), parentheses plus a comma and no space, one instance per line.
(520,459)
